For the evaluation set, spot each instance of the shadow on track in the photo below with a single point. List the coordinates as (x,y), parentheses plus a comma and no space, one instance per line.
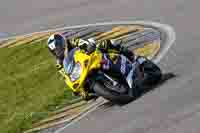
(146,89)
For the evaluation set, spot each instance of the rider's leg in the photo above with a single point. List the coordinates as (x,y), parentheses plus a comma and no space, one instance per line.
(120,66)
(128,53)
(123,50)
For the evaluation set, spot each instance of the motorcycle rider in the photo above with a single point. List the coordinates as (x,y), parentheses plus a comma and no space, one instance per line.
(59,46)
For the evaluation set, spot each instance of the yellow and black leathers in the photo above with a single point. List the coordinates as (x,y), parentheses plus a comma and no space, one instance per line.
(106,46)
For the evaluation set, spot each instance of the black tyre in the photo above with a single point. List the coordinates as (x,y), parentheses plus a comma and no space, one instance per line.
(152,73)
(101,89)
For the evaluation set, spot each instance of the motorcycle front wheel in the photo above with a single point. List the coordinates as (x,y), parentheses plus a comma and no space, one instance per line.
(116,94)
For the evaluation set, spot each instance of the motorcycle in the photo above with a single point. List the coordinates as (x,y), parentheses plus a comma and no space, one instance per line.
(83,75)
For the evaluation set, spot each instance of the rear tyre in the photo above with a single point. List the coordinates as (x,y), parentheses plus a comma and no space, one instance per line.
(152,73)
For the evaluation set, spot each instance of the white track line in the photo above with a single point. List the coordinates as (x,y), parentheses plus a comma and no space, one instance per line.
(93,108)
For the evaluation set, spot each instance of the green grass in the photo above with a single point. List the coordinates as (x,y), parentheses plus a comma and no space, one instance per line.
(30,87)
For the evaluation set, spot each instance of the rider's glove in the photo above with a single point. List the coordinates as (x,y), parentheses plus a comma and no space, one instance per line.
(58,66)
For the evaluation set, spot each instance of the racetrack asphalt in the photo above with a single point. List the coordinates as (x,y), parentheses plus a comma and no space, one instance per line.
(172,107)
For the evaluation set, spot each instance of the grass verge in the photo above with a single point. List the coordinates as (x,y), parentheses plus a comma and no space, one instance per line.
(30,87)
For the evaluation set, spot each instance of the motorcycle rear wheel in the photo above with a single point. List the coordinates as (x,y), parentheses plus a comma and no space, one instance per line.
(153,73)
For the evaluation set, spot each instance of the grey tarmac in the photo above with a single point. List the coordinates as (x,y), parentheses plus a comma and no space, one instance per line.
(172,107)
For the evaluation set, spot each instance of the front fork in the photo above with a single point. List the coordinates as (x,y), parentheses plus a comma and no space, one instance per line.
(87,92)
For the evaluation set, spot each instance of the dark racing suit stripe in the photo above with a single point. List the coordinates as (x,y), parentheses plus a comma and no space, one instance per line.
(121,66)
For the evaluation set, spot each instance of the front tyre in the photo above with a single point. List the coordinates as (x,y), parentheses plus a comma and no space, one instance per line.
(102,89)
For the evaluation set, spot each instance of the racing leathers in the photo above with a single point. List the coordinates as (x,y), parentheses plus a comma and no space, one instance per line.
(105,46)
